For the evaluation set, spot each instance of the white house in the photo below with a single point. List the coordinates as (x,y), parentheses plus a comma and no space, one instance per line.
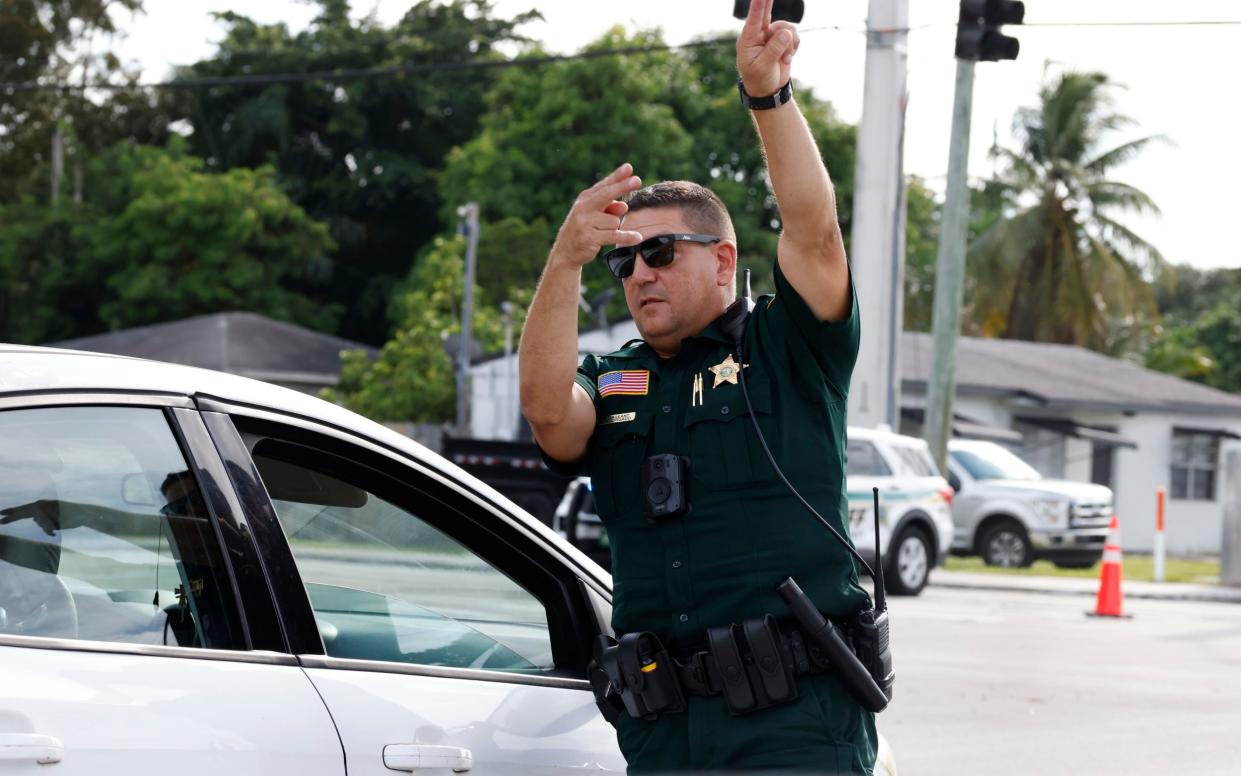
(1070,412)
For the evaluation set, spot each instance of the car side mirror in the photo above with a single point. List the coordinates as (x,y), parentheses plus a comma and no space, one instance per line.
(954,482)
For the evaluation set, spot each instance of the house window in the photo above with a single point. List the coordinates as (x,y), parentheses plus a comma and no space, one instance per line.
(1194,459)
(1102,464)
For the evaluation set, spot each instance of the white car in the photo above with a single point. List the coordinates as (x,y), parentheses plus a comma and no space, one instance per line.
(914,506)
(204,574)
(201,573)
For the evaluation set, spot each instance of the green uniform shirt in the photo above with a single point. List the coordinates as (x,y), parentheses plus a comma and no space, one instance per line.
(745,532)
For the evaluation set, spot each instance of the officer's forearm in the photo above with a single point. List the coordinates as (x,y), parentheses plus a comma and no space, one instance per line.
(548,346)
(799,180)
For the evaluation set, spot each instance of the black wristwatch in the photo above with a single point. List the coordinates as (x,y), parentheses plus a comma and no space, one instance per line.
(766,103)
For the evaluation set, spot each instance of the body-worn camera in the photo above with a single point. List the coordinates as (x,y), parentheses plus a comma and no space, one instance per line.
(665,486)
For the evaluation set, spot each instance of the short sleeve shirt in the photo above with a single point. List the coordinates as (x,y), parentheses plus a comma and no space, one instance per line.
(745,532)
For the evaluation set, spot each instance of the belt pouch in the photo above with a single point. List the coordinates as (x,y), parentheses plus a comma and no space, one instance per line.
(649,675)
(771,671)
(734,684)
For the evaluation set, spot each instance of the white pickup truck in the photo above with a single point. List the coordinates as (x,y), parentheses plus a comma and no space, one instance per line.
(1008,513)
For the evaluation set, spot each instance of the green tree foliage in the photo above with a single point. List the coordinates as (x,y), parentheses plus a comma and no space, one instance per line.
(360,154)
(1059,266)
(414,377)
(922,214)
(189,242)
(157,239)
(47,291)
(64,41)
(1200,335)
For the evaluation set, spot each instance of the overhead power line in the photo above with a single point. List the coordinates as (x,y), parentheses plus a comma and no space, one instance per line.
(362,73)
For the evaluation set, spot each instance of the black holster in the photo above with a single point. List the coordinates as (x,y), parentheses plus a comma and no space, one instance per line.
(642,673)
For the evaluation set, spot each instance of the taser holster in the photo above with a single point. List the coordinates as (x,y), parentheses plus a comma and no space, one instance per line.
(640,670)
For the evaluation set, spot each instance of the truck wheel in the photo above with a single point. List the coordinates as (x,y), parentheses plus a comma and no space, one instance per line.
(909,562)
(1006,544)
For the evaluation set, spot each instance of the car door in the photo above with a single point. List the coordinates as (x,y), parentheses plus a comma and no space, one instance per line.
(136,633)
(450,633)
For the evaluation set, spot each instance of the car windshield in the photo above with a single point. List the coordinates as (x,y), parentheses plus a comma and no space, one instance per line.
(994,463)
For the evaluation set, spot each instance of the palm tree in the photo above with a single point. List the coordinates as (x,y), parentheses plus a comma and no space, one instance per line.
(1057,266)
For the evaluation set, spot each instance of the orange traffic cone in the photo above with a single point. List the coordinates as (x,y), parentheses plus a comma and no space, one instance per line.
(1110,600)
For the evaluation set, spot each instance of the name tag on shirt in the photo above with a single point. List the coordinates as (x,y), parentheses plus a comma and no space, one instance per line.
(620,417)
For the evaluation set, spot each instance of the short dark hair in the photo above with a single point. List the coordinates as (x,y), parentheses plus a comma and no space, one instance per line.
(703,211)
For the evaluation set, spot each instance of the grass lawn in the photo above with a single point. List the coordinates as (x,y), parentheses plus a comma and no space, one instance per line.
(1140,568)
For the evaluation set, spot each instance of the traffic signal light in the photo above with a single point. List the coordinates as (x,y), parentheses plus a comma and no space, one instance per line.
(781,10)
(978,29)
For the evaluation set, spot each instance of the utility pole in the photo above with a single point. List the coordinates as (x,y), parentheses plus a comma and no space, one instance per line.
(468,212)
(58,160)
(1230,548)
(877,245)
(950,272)
(509,416)
(978,38)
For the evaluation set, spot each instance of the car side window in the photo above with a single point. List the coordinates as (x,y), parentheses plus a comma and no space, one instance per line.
(104,534)
(865,460)
(385,584)
(919,462)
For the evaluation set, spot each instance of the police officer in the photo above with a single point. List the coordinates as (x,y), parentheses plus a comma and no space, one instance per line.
(677,392)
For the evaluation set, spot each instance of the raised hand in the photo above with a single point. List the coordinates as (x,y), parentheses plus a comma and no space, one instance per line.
(595,219)
(765,50)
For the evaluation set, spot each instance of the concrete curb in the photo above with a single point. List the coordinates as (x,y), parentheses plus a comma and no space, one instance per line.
(1160,591)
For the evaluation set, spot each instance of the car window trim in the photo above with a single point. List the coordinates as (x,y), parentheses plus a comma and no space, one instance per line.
(264,657)
(257,611)
(63,398)
(291,602)
(442,672)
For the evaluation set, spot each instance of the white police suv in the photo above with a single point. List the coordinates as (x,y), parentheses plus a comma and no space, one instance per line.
(915,506)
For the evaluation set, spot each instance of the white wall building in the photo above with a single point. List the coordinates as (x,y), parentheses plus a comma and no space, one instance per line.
(1070,412)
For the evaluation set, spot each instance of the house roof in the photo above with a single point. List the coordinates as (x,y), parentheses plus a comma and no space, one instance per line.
(1059,376)
(241,343)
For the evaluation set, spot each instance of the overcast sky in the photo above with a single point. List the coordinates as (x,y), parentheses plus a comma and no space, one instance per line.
(1180,80)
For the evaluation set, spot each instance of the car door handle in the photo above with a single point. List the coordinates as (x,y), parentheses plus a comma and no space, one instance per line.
(415,757)
(31,746)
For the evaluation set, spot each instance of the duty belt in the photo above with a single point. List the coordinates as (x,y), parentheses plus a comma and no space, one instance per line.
(753,665)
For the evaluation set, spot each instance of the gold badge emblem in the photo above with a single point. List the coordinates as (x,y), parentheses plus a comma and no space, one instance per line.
(725,372)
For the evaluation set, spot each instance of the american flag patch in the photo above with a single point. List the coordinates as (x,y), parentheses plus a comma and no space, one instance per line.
(629,382)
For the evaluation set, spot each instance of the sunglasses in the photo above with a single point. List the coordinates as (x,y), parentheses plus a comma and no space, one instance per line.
(657,251)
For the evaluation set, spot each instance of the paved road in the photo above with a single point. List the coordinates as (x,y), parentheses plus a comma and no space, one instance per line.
(1021,683)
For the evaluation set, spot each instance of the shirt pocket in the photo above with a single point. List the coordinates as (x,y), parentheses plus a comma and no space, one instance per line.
(726,452)
(616,473)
